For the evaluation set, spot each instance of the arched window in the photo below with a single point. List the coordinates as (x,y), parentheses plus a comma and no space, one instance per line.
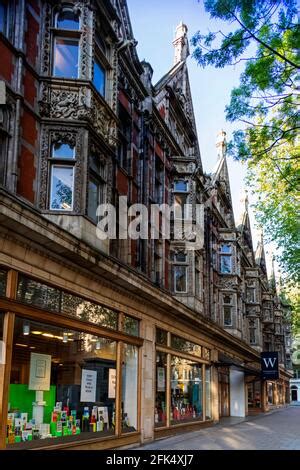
(67,19)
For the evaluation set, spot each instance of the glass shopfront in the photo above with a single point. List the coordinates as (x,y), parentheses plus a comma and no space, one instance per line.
(62,385)
(186,390)
(183,381)
(129,388)
(160,415)
(254,394)
(64,377)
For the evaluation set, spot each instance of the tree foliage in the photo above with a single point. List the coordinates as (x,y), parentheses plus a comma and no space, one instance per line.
(265,36)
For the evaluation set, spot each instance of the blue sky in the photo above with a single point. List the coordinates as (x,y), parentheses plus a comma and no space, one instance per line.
(154,23)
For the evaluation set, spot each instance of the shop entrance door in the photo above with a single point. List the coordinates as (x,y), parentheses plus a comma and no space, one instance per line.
(294,395)
(224,409)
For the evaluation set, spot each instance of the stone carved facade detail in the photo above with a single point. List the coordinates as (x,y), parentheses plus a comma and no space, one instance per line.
(46,47)
(75,103)
(73,138)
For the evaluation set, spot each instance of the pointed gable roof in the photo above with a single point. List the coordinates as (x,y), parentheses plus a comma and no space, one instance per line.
(174,87)
(220,174)
(245,230)
(260,258)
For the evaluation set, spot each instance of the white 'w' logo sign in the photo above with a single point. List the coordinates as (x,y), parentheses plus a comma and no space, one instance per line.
(269,362)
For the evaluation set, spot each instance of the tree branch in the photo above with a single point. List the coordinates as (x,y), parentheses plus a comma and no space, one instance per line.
(263,43)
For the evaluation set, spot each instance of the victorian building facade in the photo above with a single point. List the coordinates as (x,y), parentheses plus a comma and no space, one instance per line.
(106,342)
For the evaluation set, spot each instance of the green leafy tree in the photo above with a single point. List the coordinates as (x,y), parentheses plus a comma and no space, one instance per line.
(265,36)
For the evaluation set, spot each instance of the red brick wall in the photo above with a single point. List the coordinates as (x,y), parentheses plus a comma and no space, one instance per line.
(26,162)
(27,173)
(31,38)
(6,62)
(28,126)
(30,89)
(122,183)
(124,101)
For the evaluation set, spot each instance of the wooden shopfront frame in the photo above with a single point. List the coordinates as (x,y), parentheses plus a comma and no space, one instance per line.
(12,308)
(169,427)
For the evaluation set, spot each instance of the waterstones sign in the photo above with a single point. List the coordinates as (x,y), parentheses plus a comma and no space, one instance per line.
(269,365)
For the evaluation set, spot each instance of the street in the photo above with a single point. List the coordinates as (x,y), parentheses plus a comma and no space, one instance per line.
(278,430)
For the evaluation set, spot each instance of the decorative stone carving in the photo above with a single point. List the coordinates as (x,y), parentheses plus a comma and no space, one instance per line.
(228,283)
(46,46)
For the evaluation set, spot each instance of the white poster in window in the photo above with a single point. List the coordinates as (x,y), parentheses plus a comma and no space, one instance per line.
(40,371)
(88,385)
(2,352)
(112,383)
(161,379)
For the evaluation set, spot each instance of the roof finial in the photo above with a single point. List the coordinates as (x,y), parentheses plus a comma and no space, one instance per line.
(260,233)
(181,43)
(246,200)
(221,144)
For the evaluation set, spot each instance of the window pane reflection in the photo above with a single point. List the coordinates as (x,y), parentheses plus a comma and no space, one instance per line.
(61,197)
(66,58)
(67,20)
(60,150)
(129,388)
(99,78)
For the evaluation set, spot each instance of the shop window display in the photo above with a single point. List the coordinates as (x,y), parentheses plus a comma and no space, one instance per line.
(186,391)
(129,388)
(62,385)
(160,418)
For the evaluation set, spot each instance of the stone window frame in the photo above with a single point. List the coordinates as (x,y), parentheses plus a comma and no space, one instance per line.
(251,287)
(105,177)
(228,305)
(225,254)
(49,32)
(177,264)
(252,331)
(50,136)
(199,289)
